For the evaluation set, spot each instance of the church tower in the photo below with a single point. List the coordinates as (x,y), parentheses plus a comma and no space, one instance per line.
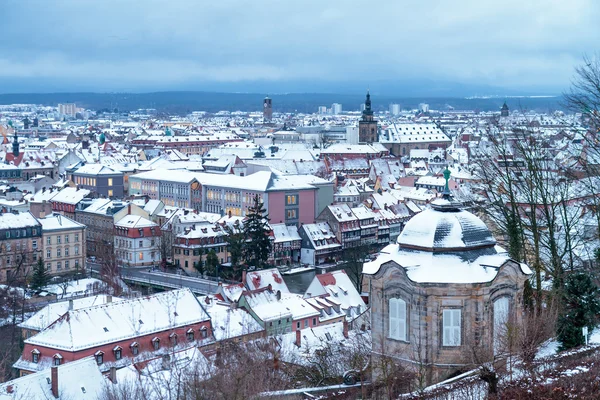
(15,146)
(367,126)
(267,109)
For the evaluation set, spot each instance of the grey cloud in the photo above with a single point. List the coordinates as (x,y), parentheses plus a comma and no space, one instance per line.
(150,42)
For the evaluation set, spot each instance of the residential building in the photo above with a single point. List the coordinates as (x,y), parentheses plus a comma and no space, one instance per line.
(119,333)
(20,245)
(400,139)
(319,244)
(368,225)
(286,245)
(137,241)
(65,201)
(193,245)
(99,178)
(64,244)
(100,216)
(344,224)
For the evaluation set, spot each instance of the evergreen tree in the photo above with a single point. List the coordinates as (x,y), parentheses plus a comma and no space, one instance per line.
(580,309)
(40,277)
(235,243)
(211,263)
(199,265)
(258,245)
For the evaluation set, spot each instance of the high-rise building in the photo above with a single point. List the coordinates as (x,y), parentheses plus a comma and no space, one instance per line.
(367,126)
(336,108)
(267,109)
(424,107)
(322,110)
(394,109)
(69,109)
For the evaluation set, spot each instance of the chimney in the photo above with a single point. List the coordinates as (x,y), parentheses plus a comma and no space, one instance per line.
(71,305)
(54,381)
(270,288)
(298,338)
(108,298)
(112,375)
(345,328)
(244,276)
(278,295)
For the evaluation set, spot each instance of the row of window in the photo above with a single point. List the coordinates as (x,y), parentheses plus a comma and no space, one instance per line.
(59,252)
(58,265)
(128,243)
(59,238)
(134,347)
(17,233)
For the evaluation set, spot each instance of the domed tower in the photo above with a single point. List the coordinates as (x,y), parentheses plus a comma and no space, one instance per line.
(367,126)
(444,289)
(15,146)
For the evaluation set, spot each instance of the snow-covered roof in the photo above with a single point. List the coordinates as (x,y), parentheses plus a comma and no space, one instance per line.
(70,195)
(96,169)
(338,286)
(13,220)
(53,311)
(264,278)
(56,222)
(94,326)
(435,230)
(342,213)
(79,379)
(285,233)
(229,322)
(321,236)
(134,221)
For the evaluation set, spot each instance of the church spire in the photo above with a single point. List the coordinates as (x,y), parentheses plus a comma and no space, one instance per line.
(15,145)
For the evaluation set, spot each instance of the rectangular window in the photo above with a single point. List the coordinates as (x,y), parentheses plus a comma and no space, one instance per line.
(48,253)
(76,250)
(58,252)
(141,243)
(110,181)
(67,264)
(451,325)
(58,266)
(58,239)
(397,312)
(49,240)
(110,193)
(291,214)
(66,251)
(48,266)
(66,238)
(306,323)
(291,200)
(141,256)
(298,325)
(34,244)
(77,237)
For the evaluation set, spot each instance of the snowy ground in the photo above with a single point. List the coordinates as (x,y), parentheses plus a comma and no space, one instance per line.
(76,288)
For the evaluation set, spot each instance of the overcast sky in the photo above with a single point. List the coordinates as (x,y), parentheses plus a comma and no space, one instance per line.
(146,45)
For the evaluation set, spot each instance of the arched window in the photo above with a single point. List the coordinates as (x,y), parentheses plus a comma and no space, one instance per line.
(501,312)
(397,314)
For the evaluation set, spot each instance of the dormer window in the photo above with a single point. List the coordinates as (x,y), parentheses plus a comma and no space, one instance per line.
(56,359)
(99,357)
(203,332)
(118,351)
(173,339)
(135,349)
(190,335)
(35,356)
(156,343)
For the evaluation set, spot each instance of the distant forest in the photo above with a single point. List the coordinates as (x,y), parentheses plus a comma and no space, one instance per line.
(185,102)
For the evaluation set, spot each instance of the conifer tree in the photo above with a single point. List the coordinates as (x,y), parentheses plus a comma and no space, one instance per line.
(581,306)
(40,277)
(256,230)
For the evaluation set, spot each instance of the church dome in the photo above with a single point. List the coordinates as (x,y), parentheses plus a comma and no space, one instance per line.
(444,228)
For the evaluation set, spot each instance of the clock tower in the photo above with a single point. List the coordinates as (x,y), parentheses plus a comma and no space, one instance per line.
(267,110)
(367,126)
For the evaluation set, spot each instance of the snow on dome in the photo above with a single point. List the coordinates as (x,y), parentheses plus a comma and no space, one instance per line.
(451,229)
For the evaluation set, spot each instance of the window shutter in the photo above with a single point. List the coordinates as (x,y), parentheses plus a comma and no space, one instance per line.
(393,309)
(401,319)
(447,330)
(456,327)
